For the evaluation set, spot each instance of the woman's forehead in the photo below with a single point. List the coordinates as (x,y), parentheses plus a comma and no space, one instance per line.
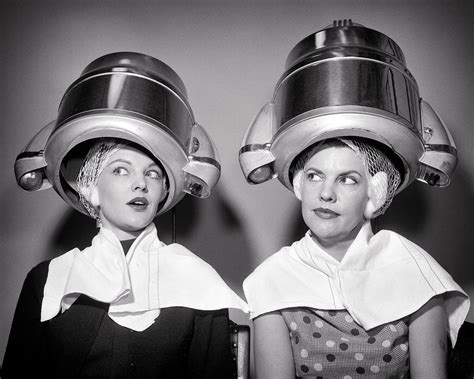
(133,154)
(336,158)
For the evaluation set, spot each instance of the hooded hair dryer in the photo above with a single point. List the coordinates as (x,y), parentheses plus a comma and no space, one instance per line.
(348,80)
(130,96)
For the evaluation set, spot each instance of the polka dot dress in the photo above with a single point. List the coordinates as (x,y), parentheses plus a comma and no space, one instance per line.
(329,344)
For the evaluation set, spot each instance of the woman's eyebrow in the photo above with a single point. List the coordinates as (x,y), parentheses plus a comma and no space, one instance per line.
(312,169)
(348,172)
(351,172)
(119,160)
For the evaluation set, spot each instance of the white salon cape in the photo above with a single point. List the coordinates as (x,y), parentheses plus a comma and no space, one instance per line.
(150,277)
(382,278)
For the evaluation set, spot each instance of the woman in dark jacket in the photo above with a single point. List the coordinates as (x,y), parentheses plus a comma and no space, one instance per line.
(123,149)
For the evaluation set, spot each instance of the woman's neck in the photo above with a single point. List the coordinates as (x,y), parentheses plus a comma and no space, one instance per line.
(126,244)
(337,250)
(337,247)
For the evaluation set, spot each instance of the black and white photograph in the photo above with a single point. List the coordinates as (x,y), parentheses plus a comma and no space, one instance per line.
(237,189)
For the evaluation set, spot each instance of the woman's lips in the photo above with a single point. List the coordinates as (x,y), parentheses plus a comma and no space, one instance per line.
(138,203)
(325,213)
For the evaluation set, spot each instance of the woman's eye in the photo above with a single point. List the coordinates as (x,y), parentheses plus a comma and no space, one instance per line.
(154,174)
(348,180)
(313,177)
(120,171)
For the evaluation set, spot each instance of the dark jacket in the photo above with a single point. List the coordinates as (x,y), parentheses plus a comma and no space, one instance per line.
(85,342)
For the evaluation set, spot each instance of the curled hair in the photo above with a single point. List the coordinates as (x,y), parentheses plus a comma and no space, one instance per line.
(374,159)
(92,166)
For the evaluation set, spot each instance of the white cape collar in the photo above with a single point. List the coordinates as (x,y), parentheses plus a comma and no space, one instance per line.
(356,257)
(382,278)
(137,285)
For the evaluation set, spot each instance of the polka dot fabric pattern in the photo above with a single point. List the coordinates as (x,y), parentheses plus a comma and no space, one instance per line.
(330,344)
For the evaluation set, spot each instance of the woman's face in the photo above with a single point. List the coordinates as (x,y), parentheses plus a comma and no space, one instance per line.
(128,192)
(334,194)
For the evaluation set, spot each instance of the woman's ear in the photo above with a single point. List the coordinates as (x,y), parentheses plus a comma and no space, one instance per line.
(95,198)
(297,182)
(378,185)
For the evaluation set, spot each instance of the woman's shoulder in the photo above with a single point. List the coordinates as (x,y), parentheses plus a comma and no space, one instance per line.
(390,237)
(178,250)
(187,280)
(267,286)
(276,264)
(177,258)
(39,273)
(177,255)
(35,280)
(392,246)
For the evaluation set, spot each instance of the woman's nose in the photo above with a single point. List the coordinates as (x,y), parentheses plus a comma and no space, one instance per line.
(139,184)
(327,193)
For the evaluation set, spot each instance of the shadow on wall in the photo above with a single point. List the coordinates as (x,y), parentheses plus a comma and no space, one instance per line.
(440,221)
(209,228)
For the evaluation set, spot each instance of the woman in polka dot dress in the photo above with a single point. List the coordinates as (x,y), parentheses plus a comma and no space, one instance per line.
(345,131)
(343,302)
